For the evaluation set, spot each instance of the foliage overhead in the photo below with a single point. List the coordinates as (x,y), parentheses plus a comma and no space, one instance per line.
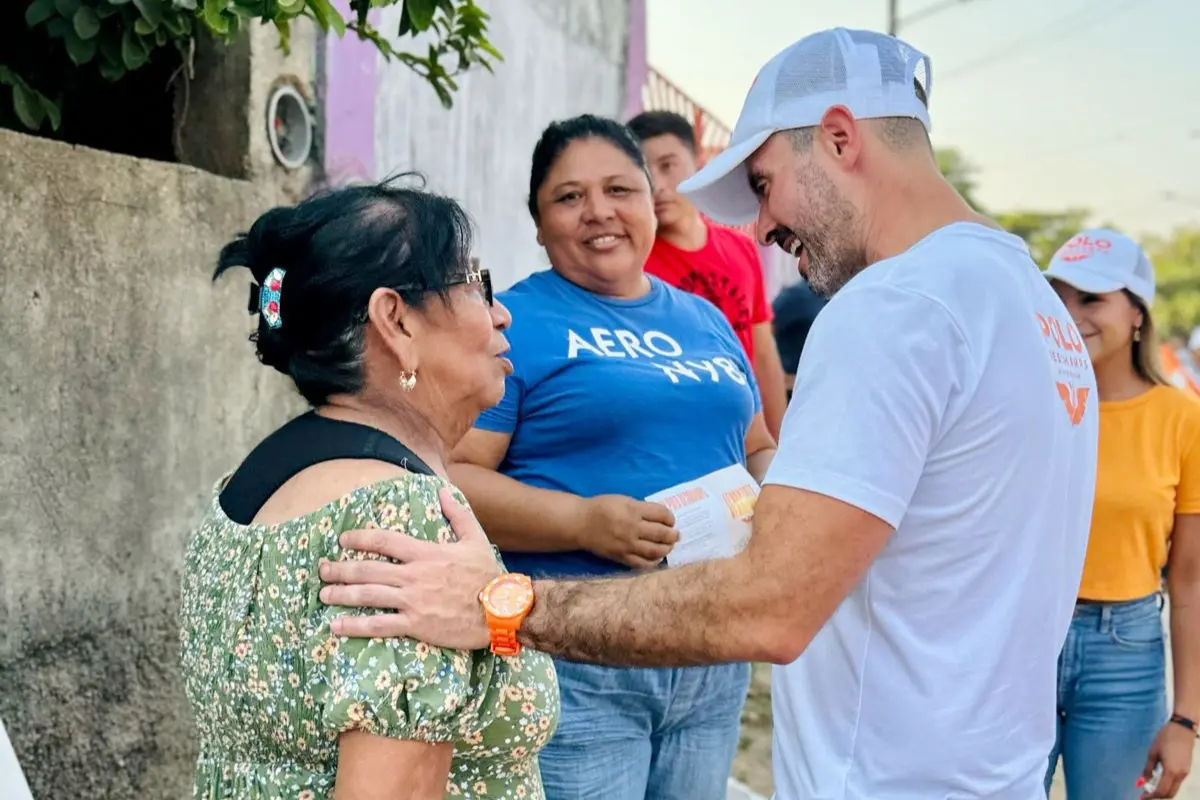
(1176,257)
(118,36)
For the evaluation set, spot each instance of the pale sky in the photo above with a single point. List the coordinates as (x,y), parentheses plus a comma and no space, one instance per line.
(1092,103)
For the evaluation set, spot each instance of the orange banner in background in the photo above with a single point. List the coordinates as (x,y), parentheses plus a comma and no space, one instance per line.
(1176,372)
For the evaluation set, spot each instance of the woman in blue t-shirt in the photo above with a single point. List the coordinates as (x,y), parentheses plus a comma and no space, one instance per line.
(621,386)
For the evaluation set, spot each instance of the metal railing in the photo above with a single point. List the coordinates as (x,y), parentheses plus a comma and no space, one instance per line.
(712,135)
(660,94)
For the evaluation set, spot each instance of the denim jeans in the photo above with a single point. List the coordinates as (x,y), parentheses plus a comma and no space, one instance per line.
(644,734)
(1112,698)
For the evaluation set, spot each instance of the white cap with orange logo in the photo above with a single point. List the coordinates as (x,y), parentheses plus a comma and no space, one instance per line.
(871,74)
(1100,260)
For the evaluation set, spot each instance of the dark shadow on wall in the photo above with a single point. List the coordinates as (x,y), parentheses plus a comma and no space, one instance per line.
(109,696)
(134,116)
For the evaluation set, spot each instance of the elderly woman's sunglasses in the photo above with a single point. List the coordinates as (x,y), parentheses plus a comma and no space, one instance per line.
(480,276)
(473,275)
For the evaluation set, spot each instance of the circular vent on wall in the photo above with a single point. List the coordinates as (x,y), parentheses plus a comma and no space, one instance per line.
(289,127)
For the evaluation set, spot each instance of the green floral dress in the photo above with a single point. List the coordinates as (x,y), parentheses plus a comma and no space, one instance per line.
(271,688)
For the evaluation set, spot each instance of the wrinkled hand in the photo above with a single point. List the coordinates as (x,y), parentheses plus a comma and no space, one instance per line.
(433,593)
(1173,749)
(631,532)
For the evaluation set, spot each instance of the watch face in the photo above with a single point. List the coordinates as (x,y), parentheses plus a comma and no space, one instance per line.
(509,597)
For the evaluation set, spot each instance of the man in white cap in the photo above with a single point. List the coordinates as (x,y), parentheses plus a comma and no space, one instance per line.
(920,536)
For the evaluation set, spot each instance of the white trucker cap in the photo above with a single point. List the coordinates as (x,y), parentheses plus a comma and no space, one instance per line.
(1101,260)
(869,73)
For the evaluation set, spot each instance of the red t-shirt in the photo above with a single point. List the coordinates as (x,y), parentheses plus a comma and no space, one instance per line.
(726,272)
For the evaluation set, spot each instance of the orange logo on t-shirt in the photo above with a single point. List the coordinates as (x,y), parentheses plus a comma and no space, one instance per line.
(1075,399)
(1067,351)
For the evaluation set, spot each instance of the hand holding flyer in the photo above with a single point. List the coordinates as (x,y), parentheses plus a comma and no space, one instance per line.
(712,514)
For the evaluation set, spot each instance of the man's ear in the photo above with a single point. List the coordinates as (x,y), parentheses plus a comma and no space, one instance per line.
(840,135)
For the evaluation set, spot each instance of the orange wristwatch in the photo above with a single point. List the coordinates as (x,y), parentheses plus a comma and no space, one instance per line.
(506,601)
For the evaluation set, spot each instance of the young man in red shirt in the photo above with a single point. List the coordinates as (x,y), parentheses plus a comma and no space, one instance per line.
(717,263)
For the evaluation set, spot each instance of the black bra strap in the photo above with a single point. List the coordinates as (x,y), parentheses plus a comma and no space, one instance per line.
(307,440)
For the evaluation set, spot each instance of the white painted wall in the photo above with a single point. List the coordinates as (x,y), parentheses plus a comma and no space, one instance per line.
(561,58)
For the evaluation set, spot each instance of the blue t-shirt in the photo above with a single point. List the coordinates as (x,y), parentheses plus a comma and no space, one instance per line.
(613,396)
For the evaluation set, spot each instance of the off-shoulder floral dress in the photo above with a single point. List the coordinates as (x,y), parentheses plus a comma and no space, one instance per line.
(271,688)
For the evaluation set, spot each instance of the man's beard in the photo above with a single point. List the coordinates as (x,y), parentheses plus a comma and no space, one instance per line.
(830,234)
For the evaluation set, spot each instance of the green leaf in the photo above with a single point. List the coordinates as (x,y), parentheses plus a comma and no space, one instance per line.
(112,71)
(213,17)
(53,112)
(161,37)
(107,10)
(133,53)
(38,12)
(443,95)
(151,11)
(186,5)
(81,51)
(486,47)
(420,13)
(176,26)
(110,47)
(328,16)
(143,28)
(28,106)
(285,34)
(67,8)
(117,2)
(57,28)
(86,22)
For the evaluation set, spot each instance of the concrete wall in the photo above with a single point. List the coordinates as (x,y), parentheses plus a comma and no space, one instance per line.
(127,387)
(561,58)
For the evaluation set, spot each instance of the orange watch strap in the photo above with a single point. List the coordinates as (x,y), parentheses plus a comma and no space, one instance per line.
(504,642)
(503,630)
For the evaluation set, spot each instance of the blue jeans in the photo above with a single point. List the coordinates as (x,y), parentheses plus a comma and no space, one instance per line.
(1112,698)
(644,734)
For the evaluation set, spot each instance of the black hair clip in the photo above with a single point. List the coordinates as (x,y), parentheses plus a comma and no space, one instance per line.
(255,294)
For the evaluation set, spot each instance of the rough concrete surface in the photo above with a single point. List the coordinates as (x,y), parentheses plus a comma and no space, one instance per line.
(128,388)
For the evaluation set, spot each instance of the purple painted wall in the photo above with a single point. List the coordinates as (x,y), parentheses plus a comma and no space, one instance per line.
(349,93)
(636,66)
(351,65)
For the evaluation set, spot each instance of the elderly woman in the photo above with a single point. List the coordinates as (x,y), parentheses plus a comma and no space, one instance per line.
(622,386)
(367,300)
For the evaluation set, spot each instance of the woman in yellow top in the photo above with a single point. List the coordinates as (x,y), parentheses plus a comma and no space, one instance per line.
(1115,727)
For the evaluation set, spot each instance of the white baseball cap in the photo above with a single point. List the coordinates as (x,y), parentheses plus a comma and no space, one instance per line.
(869,73)
(1101,260)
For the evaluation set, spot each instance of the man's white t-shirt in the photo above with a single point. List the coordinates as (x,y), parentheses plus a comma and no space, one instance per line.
(947,392)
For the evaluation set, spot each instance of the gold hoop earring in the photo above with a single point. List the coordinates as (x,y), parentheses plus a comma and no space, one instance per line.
(408,380)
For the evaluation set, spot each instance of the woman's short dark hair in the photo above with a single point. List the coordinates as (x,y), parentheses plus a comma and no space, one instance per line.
(336,248)
(558,135)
